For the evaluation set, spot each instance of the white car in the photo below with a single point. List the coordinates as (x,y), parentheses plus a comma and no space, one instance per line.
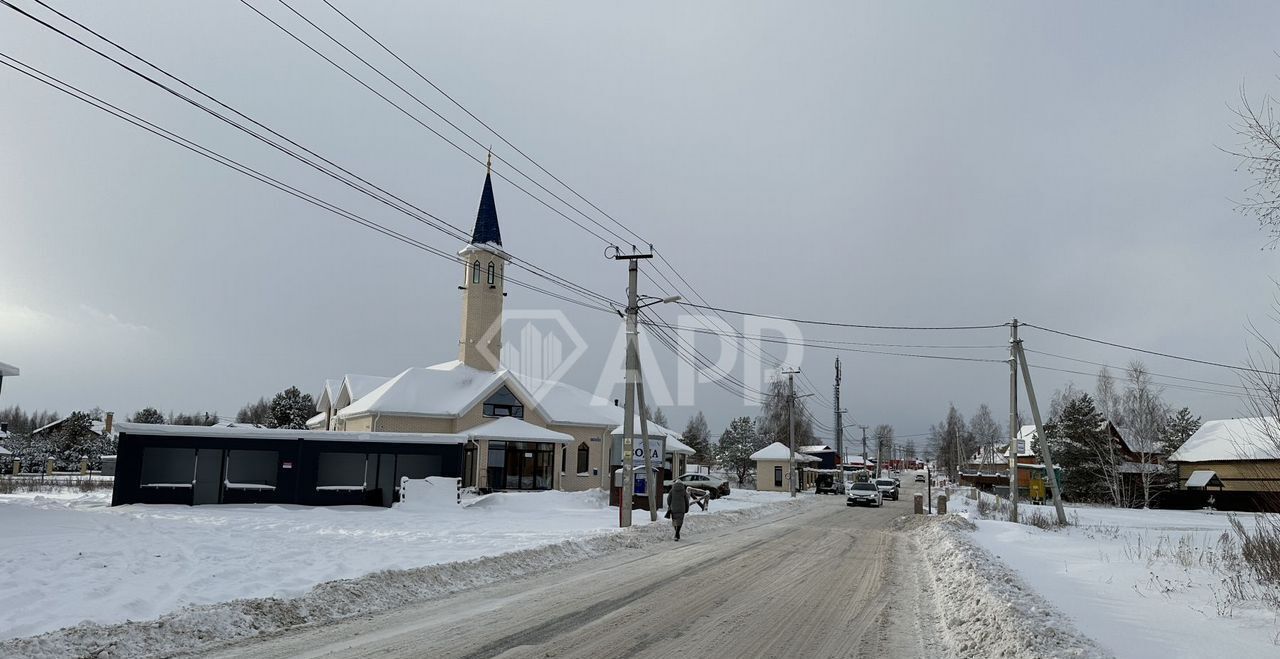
(867,494)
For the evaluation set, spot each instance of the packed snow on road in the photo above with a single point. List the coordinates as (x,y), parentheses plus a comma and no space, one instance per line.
(70,558)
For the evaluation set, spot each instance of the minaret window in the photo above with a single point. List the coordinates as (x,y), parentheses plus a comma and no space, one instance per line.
(504,403)
(492,273)
(475,272)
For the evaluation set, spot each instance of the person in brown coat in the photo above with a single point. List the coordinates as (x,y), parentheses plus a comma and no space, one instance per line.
(678,505)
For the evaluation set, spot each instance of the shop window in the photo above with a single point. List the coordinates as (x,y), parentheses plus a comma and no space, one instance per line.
(251,470)
(342,471)
(168,467)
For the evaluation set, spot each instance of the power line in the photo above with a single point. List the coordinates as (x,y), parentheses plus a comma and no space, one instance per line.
(443,226)
(491,129)
(1149,352)
(836,324)
(1183,387)
(100,104)
(1118,368)
(835,343)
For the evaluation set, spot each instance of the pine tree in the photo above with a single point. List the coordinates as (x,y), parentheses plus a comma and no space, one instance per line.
(74,439)
(1083,448)
(1178,428)
(737,443)
(147,415)
(698,436)
(291,408)
(656,415)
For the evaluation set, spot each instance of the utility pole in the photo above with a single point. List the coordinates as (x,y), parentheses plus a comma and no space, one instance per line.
(633,390)
(1013,421)
(1046,455)
(839,415)
(791,427)
(864,446)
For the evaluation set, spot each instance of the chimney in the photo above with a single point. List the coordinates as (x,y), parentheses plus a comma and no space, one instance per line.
(106,424)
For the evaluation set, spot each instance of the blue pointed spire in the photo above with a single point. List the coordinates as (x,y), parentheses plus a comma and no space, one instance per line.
(486,230)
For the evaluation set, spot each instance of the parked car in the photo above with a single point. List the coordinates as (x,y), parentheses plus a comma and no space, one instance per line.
(864,494)
(828,484)
(719,487)
(919,478)
(888,488)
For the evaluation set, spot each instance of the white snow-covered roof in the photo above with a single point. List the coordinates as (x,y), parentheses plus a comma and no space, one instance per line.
(8,370)
(354,387)
(655,430)
(1026,434)
(316,421)
(235,424)
(1252,438)
(246,430)
(779,451)
(96,426)
(1134,443)
(815,448)
(1202,478)
(4,451)
(511,429)
(328,394)
(674,445)
(450,389)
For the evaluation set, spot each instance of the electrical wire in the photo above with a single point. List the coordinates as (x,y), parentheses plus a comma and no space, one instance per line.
(836,324)
(1149,352)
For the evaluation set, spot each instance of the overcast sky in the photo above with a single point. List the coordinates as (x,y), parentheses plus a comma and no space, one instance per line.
(878,163)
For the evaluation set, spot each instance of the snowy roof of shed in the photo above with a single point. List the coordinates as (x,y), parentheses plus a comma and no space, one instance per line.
(779,451)
(1203,478)
(8,370)
(4,451)
(511,429)
(816,448)
(1251,438)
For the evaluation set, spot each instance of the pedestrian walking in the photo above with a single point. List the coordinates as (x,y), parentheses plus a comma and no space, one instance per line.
(678,505)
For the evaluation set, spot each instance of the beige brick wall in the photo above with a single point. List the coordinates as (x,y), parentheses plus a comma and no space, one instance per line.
(572,481)
(764,475)
(481,310)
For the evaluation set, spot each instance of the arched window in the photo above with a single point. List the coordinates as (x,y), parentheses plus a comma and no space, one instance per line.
(492,273)
(584,459)
(475,272)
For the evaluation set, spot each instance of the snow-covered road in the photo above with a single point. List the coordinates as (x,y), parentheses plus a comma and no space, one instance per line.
(72,558)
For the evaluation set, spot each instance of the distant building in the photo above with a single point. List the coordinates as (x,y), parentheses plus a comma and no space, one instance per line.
(1239,459)
(773,468)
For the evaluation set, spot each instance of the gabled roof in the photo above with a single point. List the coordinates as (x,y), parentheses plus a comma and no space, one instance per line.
(1135,444)
(1226,440)
(815,448)
(328,394)
(354,387)
(486,229)
(1204,478)
(779,451)
(450,389)
(95,426)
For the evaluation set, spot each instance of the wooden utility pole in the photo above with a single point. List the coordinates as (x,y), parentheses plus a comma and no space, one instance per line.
(839,413)
(1013,421)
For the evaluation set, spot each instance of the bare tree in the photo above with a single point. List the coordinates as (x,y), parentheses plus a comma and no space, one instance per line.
(884,442)
(986,433)
(1259,154)
(1107,398)
(1144,414)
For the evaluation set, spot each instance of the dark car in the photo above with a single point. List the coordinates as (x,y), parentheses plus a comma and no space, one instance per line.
(718,487)
(888,488)
(828,484)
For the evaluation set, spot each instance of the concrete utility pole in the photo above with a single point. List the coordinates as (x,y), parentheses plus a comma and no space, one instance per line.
(791,427)
(1046,455)
(864,446)
(633,389)
(839,415)
(1013,421)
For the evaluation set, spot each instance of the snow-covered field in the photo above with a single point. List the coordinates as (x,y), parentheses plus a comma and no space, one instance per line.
(69,557)
(1142,583)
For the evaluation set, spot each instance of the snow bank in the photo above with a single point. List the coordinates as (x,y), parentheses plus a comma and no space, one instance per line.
(466,549)
(1134,580)
(988,611)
